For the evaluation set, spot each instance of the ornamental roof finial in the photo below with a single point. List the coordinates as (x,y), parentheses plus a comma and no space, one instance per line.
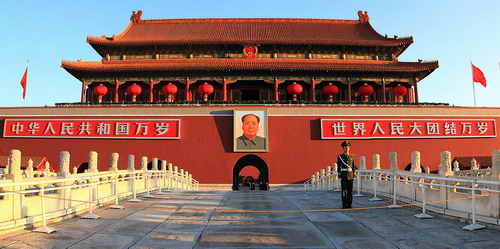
(136,16)
(363,16)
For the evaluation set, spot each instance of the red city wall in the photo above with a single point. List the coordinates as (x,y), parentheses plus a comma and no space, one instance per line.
(296,149)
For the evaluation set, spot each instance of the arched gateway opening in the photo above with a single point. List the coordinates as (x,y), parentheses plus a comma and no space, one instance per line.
(262,181)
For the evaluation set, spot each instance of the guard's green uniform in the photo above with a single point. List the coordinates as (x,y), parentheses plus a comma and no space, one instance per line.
(345,170)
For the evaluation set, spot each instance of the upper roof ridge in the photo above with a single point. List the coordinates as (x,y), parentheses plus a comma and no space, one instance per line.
(246,19)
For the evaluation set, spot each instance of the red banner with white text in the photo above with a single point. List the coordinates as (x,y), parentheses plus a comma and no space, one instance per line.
(406,128)
(93,128)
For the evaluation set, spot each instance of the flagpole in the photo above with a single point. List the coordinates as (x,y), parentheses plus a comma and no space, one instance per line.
(473,86)
(27,66)
(474,92)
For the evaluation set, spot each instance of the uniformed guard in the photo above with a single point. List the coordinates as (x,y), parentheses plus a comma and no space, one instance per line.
(345,170)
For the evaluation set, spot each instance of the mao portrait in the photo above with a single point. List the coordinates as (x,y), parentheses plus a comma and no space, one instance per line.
(250,131)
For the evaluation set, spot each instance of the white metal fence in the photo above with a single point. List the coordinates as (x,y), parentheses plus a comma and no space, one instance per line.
(29,198)
(474,194)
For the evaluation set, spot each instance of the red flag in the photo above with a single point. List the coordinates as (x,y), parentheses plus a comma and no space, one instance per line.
(24,82)
(478,75)
(41,165)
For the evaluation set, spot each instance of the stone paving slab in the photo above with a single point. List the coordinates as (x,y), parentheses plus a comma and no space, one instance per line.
(257,219)
(106,241)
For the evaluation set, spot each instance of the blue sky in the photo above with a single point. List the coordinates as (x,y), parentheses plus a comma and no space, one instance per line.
(455,32)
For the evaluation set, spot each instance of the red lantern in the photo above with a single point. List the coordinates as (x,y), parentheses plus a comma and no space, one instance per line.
(365,91)
(330,90)
(205,89)
(294,89)
(170,90)
(400,91)
(134,90)
(100,91)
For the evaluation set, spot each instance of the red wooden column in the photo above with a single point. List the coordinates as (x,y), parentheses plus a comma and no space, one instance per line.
(276,89)
(349,94)
(416,91)
(117,86)
(152,83)
(188,93)
(224,89)
(313,89)
(384,100)
(83,97)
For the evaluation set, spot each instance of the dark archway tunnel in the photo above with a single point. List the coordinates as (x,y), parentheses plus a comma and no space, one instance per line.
(255,161)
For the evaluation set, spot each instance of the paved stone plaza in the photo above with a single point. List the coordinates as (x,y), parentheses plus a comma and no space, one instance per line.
(256,220)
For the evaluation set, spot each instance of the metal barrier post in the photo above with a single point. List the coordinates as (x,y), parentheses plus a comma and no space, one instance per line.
(91,214)
(394,190)
(116,205)
(423,215)
(474,226)
(375,183)
(44,228)
(134,189)
(358,184)
(147,184)
(159,182)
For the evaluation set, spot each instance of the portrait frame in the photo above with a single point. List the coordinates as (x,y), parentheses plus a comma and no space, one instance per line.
(260,143)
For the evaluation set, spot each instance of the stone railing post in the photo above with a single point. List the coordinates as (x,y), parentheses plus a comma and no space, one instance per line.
(415,162)
(144,163)
(445,164)
(330,177)
(93,162)
(190,179)
(29,169)
(154,164)
(183,181)
(376,161)
(376,166)
(131,163)
(113,164)
(163,174)
(362,162)
(46,171)
(170,176)
(176,177)
(394,160)
(186,177)
(64,159)
(337,181)
(322,179)
(14,166)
